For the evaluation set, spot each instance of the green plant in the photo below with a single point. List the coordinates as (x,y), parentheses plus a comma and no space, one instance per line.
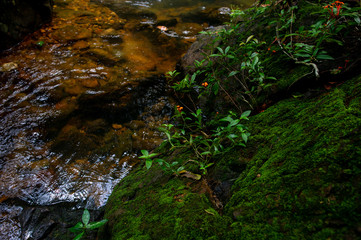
(82,227)
(308,45)
(205,140)
(163,164)
(171,75)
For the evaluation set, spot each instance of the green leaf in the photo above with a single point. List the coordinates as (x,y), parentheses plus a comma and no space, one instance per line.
(244,137)
(215,88)
(79,236)
(249,38)
(86,217)
(221,50)
(77,228)
(40,43)
(303,55)
(206,153)
(324,57)
(173,164)
(232,73)
(97,224)
(193,78)
(227,119)
(148,163)
(145,153)
(231,136)
(255,61)
(246,113)
(208,165)
(357,20)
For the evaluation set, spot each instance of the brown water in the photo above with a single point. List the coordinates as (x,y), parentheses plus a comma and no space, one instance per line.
(76,111)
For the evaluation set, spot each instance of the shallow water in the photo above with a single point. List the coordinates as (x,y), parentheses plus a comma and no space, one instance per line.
(76,111)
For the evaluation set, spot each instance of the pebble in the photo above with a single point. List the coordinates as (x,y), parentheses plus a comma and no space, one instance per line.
(7,67)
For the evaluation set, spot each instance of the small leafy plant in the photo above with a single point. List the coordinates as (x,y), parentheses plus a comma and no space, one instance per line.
(149,159)
(205,140)
(82,227)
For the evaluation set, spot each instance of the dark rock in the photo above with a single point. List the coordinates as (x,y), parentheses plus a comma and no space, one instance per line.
(214,16)
(53,222)
(198,49)
(19,18)
(71,32)
(168,23)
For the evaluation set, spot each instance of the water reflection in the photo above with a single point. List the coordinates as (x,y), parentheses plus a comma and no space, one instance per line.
(76,111)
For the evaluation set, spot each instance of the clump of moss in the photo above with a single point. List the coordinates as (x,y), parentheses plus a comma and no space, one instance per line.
(151,205)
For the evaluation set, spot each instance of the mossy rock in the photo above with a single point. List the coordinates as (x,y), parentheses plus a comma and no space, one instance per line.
(299,178)
(303,181)
(152,205)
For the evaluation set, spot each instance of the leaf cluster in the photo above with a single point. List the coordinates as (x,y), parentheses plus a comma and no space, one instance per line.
(81,227)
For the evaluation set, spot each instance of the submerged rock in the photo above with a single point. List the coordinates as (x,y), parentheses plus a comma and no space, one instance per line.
(7,67)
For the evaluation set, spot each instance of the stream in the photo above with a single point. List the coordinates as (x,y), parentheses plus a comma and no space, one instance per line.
(81,97)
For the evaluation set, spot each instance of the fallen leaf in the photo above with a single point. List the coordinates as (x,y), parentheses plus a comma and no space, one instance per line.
(190,175)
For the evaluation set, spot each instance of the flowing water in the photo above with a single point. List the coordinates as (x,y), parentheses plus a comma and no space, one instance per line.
(83,95)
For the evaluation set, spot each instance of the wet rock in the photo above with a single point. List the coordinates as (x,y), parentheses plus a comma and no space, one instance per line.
(167,23)
(7,67)
(213,16)
(71,32)
(90,83)
(103,56)
(81,45)
(70,13)
(21,17)
(75,142)
(220,15)
(188,29)
(128,12)
(146,139)
(117,126)
(74,90)
(53,222)
(125,102)
(98,127)
(135,124)
(109,32)
(197,50)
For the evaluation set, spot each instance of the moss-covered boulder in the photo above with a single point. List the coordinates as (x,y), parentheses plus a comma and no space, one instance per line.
(303,181)
(298,178)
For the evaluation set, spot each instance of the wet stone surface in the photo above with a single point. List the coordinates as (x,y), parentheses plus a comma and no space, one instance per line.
(80,98)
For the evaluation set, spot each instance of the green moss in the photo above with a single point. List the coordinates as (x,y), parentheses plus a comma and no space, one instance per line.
(303,181)
(152,205)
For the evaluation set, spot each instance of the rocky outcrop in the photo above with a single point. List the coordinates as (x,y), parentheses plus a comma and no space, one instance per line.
(19,18)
